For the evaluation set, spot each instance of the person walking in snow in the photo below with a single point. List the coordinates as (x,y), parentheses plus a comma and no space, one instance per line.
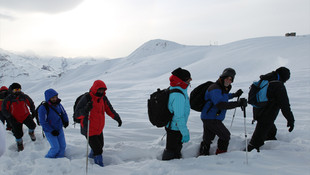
(53,118)
(213,113)
(4,91)
(92,108)
(277,99)
(15,109)
(178,104)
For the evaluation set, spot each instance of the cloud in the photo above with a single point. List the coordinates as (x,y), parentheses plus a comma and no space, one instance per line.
(45,6)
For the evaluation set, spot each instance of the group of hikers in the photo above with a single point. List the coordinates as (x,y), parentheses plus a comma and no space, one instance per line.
(17,109)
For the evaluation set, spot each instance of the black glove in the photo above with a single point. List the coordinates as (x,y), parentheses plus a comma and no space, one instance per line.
(118,119)
(291,125)
(66,124)
(238,93)
(55,133)
(89,106)
(243,103)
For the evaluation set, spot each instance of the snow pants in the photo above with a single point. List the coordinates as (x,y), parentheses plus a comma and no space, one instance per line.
(173,145)
(263,131)
(96,143)
(58,145)
(211,128)
(17,128)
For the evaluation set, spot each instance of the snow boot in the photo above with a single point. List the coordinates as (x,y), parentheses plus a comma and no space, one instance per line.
(204,149)
(218,151)
(251,147)
(169,155)
(98,160)
(91,154)
(32,136)
(20,146)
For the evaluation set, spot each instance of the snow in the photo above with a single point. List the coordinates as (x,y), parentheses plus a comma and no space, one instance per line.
(136,147)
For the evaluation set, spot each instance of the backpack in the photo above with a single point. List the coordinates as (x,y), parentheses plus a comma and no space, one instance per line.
(75,105)
(257,96)
(159,114)
(36,114)
(197,96)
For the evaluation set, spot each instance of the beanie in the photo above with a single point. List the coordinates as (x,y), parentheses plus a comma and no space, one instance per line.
(3,88)
(15,86)
(284,73)
(228,72)
(183,74)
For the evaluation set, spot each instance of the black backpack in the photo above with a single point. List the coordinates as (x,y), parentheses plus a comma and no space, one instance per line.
(159,114)
(75,105)
(36,114)
(197,96)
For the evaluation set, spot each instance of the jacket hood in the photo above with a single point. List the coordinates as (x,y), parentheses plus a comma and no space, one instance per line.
(270,76)
(49,94)
(97,84)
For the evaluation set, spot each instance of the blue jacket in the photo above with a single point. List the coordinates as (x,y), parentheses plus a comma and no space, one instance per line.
(179,105)
(214,95)
(52,120)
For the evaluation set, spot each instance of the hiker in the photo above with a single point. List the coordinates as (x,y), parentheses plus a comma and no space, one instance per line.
(52,117)
(92,107)
(15,109)
(266,116)
(214,111)
(3,94)
(178,104)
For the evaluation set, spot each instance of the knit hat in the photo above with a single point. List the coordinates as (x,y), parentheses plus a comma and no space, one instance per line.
(284,73)
(228,72)
(3,88)
(15,86)
(183,74)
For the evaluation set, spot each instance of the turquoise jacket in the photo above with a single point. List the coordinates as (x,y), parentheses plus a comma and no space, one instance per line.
(179,105)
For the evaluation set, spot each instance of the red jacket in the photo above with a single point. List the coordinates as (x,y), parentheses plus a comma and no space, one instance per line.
(101,105)
(17,106)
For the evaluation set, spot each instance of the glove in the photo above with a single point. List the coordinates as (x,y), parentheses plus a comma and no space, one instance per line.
(291,125)
(243,103)
(238,93)
(185,134)
(89,106)
(119,121)
(55,133)
(66,124)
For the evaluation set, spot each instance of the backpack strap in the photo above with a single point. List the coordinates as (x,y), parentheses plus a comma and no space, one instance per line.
(59,114)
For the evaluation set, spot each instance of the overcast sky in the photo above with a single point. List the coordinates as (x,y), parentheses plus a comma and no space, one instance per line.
(115,28)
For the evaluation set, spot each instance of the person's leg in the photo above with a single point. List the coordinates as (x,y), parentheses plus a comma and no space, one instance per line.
(272,133)
(208,137)
(31,125)
(62,144)
(260,135)
(173,145)
(55,147)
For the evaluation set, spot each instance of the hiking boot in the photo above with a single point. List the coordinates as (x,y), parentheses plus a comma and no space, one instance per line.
(32,136)
(20,146)
(98,160)
(251,147)
(204,149)
(218,151)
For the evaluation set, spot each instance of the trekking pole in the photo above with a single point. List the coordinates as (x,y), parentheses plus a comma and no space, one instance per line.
(87,144)
(245,135)
(232,120)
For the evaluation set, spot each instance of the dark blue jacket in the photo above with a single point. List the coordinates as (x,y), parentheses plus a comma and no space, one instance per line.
(217,97)
(52,120)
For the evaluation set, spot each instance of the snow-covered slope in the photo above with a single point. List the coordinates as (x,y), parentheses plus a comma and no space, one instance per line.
(136,147)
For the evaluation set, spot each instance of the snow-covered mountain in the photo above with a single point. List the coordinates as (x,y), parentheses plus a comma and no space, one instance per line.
(18,67)
(136,147)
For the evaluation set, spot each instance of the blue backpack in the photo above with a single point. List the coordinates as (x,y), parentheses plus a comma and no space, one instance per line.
(258,94)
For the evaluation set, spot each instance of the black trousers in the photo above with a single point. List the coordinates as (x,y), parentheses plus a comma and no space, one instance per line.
(263,131)
(3,119)
(17,128)
(173,145)
(96,143)
(212,128)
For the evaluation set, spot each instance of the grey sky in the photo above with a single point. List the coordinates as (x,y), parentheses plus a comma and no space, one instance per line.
(100,28)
